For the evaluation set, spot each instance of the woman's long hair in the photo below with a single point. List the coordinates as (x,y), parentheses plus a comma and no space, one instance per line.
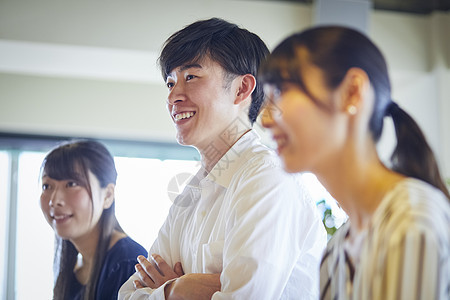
(73,160)
(336,49)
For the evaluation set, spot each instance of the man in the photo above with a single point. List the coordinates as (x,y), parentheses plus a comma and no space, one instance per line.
(242,228)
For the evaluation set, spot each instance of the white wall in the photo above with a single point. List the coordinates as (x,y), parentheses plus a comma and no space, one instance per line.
(441,69)
(417,49)
(87,67)
(55,86)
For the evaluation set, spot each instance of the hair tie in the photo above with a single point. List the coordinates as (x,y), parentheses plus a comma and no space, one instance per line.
(392,107)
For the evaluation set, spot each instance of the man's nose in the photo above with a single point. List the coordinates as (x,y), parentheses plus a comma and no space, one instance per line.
(176,94)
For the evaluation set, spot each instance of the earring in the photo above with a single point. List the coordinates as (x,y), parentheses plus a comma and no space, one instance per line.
(351,109)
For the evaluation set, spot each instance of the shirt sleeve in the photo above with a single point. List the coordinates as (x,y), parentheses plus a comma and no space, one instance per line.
(273,231)
(127,291)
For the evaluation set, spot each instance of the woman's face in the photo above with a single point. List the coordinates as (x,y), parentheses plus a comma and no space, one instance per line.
(306,133)
(69,209)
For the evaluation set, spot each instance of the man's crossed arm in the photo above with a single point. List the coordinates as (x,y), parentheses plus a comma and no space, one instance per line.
(155,272)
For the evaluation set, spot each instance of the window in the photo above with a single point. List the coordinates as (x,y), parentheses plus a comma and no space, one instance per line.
(142,194)
(35,238)
(4,186)
(332,214)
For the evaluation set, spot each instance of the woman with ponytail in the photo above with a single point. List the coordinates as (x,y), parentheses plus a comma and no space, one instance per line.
(327,94)
(94,256)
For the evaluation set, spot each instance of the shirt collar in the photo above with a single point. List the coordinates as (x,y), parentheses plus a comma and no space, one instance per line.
(232,160)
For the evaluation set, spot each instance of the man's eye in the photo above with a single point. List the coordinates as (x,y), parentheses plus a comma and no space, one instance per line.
(45,186)
(170,85)
(189,77)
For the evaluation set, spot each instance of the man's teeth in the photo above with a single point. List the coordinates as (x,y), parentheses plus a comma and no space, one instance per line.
(60,217)
(184,115)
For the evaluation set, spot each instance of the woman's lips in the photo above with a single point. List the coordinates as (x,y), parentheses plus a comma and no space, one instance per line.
(61,218)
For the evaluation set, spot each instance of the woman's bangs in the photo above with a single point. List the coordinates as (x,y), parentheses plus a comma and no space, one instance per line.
(280,68)
(63,165)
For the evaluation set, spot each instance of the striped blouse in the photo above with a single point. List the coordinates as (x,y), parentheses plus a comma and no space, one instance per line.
(404,253)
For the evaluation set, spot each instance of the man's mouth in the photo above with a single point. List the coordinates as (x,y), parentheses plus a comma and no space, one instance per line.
(184,115)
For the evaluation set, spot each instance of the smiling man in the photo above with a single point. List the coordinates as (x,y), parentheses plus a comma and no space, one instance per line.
(242,228)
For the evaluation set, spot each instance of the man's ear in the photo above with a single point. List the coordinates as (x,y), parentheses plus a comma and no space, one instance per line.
(247,84)
(109,196)
(354,88)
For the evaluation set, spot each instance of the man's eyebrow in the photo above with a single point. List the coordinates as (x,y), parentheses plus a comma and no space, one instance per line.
(189,66)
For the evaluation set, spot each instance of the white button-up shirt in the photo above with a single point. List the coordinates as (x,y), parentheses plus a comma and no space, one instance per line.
(248,220)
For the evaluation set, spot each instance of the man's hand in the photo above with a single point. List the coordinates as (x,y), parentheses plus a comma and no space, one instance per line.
(155,272)
(193,286)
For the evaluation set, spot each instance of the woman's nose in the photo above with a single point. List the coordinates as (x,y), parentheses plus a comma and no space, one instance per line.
(56,198)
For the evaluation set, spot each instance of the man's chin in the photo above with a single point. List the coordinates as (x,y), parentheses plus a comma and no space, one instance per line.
(183,141)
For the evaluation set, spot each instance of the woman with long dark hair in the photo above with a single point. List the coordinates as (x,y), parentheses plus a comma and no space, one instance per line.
(94,256)
(328,92)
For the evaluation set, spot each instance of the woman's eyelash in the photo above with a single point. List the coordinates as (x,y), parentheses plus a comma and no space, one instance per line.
(72,183)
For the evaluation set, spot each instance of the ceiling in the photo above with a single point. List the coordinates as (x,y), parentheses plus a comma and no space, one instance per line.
(413,6)
(407,6)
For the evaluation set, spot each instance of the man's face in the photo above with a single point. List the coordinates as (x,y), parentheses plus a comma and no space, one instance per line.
(200,103)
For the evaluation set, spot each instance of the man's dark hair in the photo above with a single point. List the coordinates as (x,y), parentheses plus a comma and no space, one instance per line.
(237,50)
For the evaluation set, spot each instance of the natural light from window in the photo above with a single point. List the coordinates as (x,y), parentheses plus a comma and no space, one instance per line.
(142,199)
(4,184)
(35,239)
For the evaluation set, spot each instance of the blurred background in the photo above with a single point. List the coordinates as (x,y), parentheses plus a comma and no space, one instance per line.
(87,69)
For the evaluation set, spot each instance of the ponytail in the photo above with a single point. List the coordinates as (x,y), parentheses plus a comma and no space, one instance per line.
(413,156)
